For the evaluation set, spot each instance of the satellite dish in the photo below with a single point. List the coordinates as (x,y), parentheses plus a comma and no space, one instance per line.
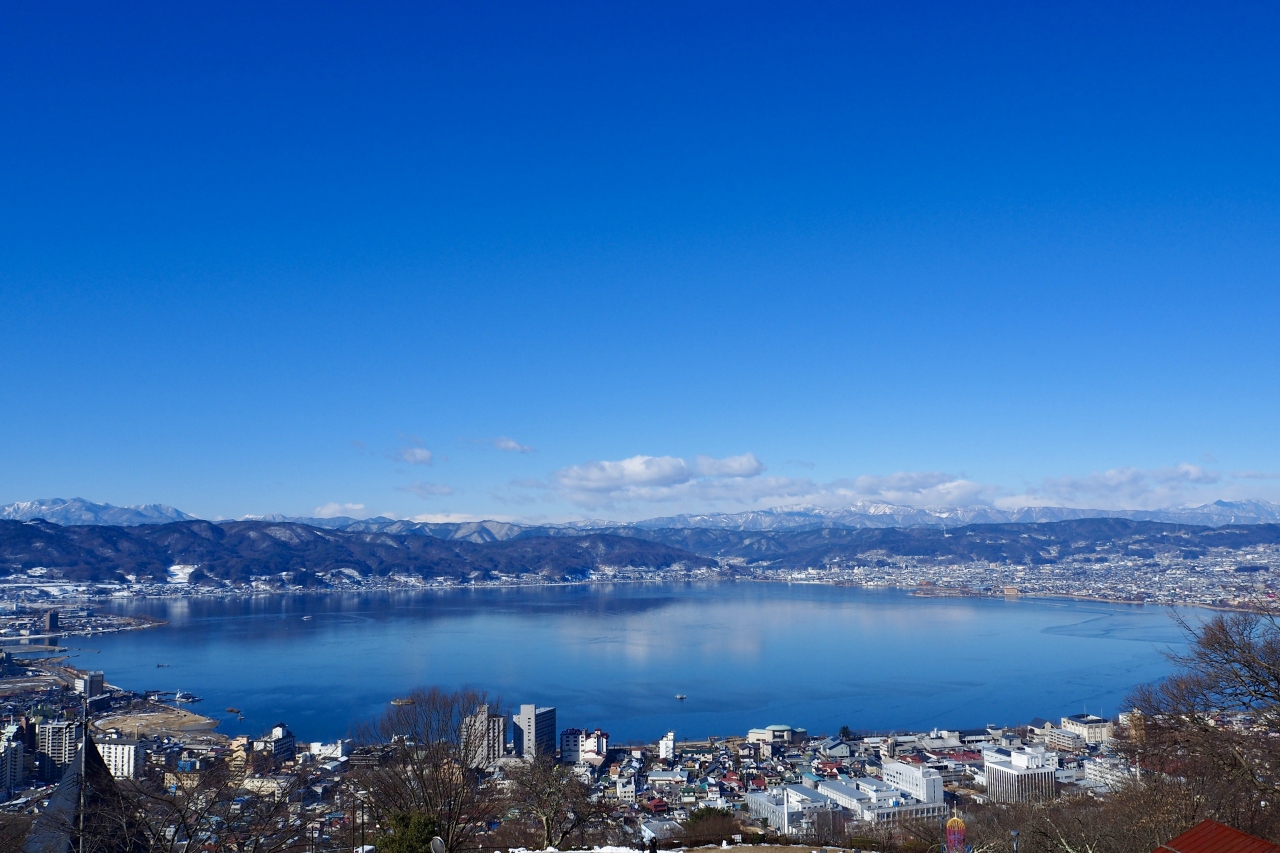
(437,845)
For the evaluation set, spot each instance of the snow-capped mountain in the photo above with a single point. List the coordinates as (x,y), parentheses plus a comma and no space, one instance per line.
(80,511)
(862,514)
(872,514)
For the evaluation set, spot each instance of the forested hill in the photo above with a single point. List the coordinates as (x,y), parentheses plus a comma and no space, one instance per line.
(1038,543)
(241,550)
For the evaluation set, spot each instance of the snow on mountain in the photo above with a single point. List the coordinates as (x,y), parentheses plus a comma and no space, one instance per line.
(79,511)
(874,514)
(861,514)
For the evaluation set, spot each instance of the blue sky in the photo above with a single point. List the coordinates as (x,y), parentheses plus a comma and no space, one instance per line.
(552,261)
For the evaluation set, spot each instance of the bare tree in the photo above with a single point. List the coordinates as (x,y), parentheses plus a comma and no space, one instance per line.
(430,765)
(1208,725)
(554,797)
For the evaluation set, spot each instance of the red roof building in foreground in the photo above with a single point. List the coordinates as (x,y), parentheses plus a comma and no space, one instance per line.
(1209,836)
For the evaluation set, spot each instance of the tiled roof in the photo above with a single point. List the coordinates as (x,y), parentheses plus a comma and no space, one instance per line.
(1209,836)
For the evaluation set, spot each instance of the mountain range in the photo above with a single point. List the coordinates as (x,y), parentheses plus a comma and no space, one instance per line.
(244,550)
(862,514)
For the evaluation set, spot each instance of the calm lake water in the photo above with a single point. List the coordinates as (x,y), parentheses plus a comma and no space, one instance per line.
(746,654)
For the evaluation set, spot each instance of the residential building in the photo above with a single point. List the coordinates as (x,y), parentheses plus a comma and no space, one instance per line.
(124,758)
(571,745)
(667,747)
(11,764)
(56,745)
(1064,740)
(533,731)
(484,737)
(1107,773)
(577,745)
(278,743)
(626,789)
(835,748)
(1093,729)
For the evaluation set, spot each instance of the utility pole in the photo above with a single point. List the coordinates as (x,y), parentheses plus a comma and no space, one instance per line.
(84,756)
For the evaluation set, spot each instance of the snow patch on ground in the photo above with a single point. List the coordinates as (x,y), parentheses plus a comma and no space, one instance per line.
(181,574)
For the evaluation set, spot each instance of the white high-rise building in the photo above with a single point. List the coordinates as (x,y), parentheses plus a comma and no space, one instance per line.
(923,783)
(122,757)
(667,747)
(533,731)
(484,737)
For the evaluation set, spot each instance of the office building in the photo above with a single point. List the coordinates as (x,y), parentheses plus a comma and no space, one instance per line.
(89,684)
(484,737)
(789,809)
(533,731)
(1025,774)
(922,783)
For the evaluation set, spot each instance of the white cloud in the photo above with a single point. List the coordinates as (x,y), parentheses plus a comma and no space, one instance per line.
(646,479)
(921,488)
(1123,488)
(424,489)
(510,445)
(333,510)
(417,455)
(746,465)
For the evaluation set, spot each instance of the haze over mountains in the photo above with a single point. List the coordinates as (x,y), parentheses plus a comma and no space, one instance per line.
(862,514)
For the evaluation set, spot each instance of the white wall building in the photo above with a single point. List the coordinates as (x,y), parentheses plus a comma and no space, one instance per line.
(923,783)
(328,751)
(1020,775)
(1092,729)
(788,808)
(124,758)
(667,747)
(533,731)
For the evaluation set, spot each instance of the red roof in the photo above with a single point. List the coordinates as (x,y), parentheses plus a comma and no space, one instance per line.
(1209,836)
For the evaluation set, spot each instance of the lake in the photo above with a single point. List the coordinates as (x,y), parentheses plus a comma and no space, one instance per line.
(746,654)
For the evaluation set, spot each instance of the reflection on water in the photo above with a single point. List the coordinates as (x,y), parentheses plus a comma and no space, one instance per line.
(615,656)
